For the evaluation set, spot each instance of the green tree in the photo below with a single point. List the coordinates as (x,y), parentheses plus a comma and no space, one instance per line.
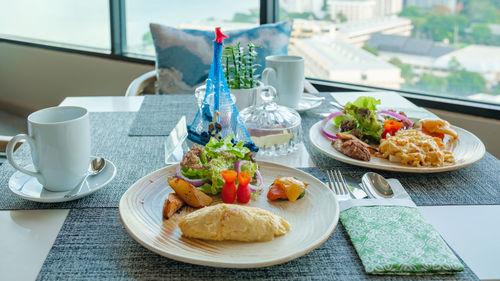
(251,17)
(147,39)
(442,9)
(465,83)
(485,11)
(304,15)
(370,50)
(410,12)
(431,83)
(406,70)
(481,33)
(324,7)
(341,17)
(439,27)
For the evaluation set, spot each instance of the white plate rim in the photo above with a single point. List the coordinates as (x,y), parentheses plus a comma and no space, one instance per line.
(61,199)
(390,166)
(263,263)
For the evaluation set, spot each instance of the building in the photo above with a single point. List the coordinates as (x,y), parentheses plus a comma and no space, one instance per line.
(429,56)
(354,10)
(385,8)
(358,33)
(332,59)
(421,54)
(308,28)
(303,6)
(431,4)
(484,60)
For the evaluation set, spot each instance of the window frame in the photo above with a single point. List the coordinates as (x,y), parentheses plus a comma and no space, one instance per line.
(269,13)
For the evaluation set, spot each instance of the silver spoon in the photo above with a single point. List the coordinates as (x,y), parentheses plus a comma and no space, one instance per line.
(376,185)
(96,166)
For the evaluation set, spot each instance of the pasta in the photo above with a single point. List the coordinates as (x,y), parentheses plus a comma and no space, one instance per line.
(414,148)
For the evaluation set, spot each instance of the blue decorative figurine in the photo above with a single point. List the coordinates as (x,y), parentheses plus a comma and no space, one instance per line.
(217,116)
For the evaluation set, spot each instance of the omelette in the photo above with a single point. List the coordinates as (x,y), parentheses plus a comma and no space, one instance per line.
(233,222)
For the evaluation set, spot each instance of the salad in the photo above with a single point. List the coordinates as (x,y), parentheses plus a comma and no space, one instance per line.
(362,120)
(202,166)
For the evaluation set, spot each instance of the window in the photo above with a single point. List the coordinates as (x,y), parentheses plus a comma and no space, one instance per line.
(441,47)
(201,14)
(445,48)
(75,24)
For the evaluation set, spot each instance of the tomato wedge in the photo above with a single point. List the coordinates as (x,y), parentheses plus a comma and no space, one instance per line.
(276,192)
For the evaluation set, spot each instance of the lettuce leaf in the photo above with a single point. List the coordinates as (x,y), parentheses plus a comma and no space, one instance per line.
(213,172)
(341,118)
(213,147)
(365,102)
(363,112)
(192,173)
(249,167)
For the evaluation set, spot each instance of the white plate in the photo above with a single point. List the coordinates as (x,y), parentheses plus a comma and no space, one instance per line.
(467,150)
(308,101)
(313,219)
(28,187)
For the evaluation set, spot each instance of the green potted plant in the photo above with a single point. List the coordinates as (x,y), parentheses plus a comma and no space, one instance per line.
(239,68)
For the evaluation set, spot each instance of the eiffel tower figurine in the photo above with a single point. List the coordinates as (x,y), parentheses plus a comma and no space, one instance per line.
(217,116)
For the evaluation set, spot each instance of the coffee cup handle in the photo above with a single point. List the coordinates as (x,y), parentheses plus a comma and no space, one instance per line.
(266,73)
(10,155)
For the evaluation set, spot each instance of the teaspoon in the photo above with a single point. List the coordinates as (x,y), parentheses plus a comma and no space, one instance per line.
(96,166)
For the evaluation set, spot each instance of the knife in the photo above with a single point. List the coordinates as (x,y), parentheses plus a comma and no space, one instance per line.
(355,188)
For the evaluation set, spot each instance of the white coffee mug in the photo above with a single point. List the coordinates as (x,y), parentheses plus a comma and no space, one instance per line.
(59,138)
(286,74)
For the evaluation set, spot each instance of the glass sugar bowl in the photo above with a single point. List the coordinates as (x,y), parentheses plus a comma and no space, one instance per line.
(275,129)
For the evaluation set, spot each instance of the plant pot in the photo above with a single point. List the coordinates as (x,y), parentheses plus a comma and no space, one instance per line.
(247,97)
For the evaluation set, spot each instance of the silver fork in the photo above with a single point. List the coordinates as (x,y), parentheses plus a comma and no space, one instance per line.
(338,185)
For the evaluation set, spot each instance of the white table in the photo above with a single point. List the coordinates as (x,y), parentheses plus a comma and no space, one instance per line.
(26,236)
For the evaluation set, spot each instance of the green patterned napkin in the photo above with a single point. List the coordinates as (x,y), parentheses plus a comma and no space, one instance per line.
(397,240)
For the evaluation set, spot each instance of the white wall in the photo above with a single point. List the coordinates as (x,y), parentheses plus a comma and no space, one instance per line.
(32,78)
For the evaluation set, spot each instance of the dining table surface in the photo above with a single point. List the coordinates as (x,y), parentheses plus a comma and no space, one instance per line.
(27,236)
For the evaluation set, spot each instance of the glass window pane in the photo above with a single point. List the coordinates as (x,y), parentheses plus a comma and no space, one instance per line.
(81,23)
(441,47)
(187,14)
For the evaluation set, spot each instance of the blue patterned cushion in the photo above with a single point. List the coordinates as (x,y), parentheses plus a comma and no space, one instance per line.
(183,56)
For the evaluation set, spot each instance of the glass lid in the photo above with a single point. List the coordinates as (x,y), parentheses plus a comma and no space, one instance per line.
(274,128)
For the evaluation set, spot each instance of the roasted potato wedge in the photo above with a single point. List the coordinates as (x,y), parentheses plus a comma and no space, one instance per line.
(172,204)
(189,194)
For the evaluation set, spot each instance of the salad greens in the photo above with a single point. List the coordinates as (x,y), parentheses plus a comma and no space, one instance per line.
(359,118)
(215,157)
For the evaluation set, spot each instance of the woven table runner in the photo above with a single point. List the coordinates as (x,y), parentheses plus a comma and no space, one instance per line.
(93,245)
(159,114)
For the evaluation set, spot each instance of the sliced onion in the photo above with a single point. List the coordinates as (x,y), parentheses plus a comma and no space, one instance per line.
(258,176)
(397,116)
(323,125)
(196,182)
(238,164)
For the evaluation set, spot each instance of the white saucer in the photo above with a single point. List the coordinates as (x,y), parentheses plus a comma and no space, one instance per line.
(28,187)
(308,101)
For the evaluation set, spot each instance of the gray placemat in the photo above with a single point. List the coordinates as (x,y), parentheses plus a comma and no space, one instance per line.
(134,157)
(93,245)
(159,114)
